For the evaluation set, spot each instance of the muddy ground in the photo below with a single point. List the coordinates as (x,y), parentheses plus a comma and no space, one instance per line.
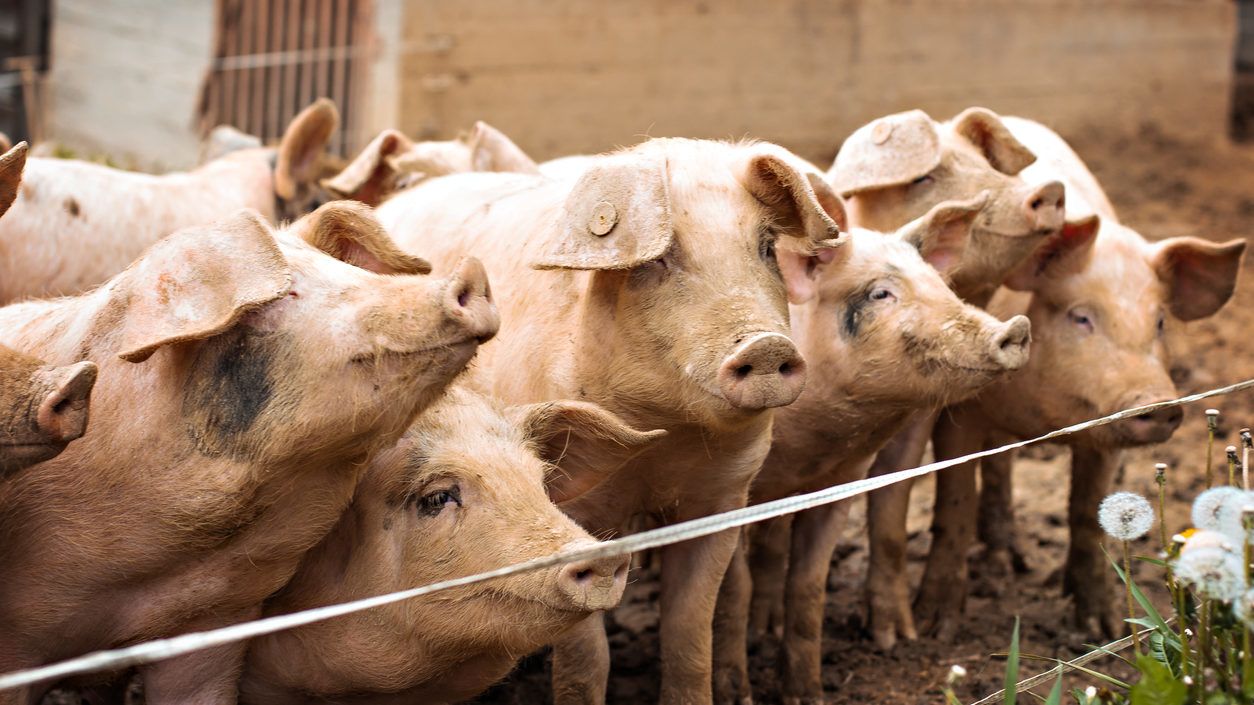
(1163,187)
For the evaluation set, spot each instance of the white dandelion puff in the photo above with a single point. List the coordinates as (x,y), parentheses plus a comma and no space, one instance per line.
(1232,518)
(1126,516)
(1243,607)
(1206,538)
(1209,504)
(1214,572)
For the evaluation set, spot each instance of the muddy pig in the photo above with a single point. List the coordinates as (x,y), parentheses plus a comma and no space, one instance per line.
(463,492)
(42,408)
(76,223)
(885,336)
(392,162)
(893,170)
(245,380)
(1104,304)
(650,286)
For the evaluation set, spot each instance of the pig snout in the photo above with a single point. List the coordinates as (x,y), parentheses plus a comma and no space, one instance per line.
(765,371)
(1009,346)
(1044,206)
(595,584)
(468,300)
(1153,426)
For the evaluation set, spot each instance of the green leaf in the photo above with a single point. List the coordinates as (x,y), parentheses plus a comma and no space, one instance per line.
(1139,596)
(1012,666)
(1055,694)
(1157,685)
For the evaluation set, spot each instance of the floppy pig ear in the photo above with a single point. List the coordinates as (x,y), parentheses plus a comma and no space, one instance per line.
(491,150)
(891,151)
(1200,275)
(348,231)
(617,216)
(12,162)
(941,234)
(584,442)
(984,128)
(198,283)
(302,147)
(370,176)
(1060,254)
(812,210)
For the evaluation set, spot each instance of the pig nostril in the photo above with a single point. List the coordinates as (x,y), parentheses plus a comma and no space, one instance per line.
(785,369)
(743,371)
(463,296)
(583,576)
(1147,416)
(1037,203)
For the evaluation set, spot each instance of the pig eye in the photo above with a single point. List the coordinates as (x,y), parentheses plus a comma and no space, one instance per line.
(1162,323)
(925,179)
(881,293)
(1081,318)
(432,503)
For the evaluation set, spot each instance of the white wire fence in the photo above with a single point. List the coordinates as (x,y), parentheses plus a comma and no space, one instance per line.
(160,649)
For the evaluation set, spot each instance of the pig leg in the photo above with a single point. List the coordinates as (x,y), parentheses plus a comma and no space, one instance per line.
(581,663)
(1087,574)
(208,677)
(996,525)
(731,617)
(815,533)
(943,590)
(691,574)
(768,564)
(887,586)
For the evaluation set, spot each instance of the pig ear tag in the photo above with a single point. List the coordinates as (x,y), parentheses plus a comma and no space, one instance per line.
(881,132)
(603,219)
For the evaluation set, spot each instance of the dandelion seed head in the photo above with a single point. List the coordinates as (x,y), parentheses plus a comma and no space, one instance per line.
(1243,607)
(1212,571)
(1207,539)
(1209,504)
(1126,516)
(1232,518)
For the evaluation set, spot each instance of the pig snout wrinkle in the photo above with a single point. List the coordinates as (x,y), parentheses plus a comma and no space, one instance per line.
(595,584)
(764,372)
(1044,206)
(1009,347)
(468,300)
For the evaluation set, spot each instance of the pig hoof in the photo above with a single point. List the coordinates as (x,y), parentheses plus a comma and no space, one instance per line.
(937,610)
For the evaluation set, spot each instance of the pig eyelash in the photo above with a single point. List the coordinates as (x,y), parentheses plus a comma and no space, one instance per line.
(925,179)
(433,503)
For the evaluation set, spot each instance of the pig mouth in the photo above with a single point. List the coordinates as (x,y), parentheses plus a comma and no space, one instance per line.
(379,355)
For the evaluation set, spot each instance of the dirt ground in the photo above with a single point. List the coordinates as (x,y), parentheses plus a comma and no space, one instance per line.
(1163,187)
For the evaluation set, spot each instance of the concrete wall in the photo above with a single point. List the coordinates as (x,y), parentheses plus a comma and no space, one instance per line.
(126,77)
(565,76)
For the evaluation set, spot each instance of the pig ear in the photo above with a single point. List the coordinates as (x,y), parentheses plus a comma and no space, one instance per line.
(491,150)
(1200,275)
(62,413)
(805,204)
(348,231)
(941,234)
(198,283)
(12,162)
(223,140)
(617,216)
(302,147)
(984,129)
(1061,254)
(584,442)
(370,177)
(891,151)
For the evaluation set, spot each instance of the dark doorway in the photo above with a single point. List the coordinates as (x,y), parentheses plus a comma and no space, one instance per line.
(24,61)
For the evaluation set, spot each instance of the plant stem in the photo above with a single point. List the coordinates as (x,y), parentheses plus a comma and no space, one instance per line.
(1212,421)
(1160,478)
(1127,571)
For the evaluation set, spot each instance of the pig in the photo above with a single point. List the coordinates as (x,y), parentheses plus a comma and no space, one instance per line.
(884,336)
(75,223)
(245,380)
(650,286)
(1105,304)
(464,491)
(893,170)
(392,162)
(42,408)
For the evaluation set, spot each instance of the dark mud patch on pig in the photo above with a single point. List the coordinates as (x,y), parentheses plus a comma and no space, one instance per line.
(232,382)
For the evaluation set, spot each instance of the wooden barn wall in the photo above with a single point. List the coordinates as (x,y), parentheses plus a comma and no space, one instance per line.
(125,78)
(570,76)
